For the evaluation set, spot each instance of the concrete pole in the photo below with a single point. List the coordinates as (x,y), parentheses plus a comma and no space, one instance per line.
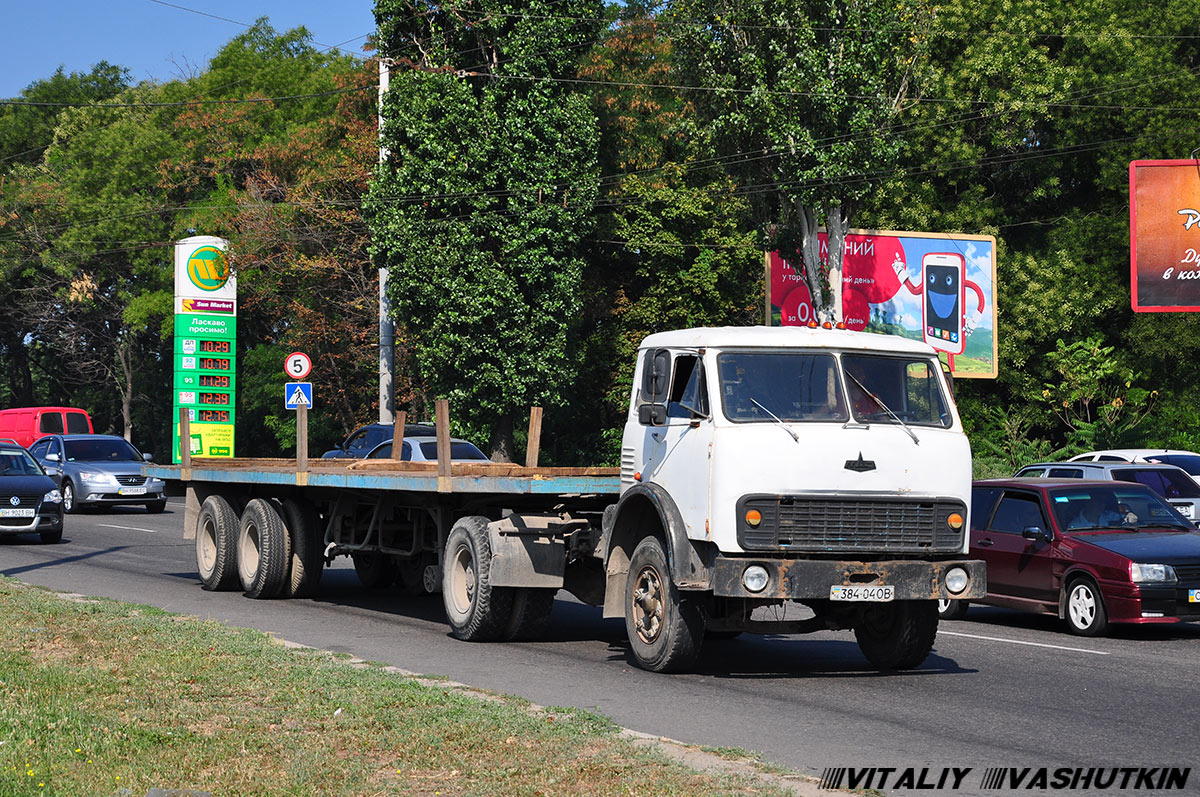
(387,332)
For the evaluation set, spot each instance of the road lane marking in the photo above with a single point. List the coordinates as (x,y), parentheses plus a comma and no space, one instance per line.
(1031,644)
(127,528)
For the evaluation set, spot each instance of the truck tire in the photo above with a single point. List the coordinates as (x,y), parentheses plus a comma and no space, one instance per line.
(476,611)
(374,570)
(665,631)
(897,635)
(531,609)
(263,550)
(216,544)
(304,536)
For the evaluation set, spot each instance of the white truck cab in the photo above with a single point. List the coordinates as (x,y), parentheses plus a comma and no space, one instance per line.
(761,465)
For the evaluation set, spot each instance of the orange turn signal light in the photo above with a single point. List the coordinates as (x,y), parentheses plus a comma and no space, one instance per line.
(955,521)
(753,517)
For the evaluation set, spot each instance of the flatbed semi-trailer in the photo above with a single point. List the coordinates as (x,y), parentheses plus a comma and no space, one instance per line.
(759,468)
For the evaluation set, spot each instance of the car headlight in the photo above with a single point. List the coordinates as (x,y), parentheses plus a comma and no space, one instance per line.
(94,476)
(1142,574)
(153,482)
(53,497)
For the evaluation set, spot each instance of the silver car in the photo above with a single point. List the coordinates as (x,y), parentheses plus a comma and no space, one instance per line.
(1172,483)
(95,470)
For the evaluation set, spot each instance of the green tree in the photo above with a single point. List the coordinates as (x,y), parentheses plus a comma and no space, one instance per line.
(802,97)
(487,193)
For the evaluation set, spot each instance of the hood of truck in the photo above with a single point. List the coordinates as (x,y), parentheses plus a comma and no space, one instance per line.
(880,460)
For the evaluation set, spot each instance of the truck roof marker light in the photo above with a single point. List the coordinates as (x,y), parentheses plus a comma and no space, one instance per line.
(813,325)
(955,520)
(827,325)
(841,325)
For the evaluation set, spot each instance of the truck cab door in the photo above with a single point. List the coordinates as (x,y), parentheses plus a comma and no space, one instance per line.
(677,454)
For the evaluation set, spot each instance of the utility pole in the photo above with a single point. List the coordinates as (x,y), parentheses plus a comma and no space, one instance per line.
(387,332)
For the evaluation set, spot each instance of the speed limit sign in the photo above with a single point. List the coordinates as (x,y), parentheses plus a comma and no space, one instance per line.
(297,365)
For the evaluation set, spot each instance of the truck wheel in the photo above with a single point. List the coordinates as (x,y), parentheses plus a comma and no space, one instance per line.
(955,609)
(374,570)
(477,612)
(665,631)
(263,550)
(216,544)
(897,635)
(301,522)
(531,611)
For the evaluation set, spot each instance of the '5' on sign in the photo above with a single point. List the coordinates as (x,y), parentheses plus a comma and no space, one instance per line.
(297,365)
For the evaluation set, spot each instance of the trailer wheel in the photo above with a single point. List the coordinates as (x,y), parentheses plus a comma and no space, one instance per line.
(897,635)
(531,611)
(300,520)
(665,631)
(216,544)
(263,550)
(477,612)
(374,570)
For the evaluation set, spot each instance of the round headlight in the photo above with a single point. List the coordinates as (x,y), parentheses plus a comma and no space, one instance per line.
(956,580)
(755,578)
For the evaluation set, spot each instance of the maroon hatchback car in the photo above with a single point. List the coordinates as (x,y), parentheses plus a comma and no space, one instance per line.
(1090,552)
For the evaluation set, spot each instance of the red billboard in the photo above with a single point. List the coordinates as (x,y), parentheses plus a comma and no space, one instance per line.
(1164,235)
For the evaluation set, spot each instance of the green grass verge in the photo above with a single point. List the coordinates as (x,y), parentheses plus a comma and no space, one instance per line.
(99,697)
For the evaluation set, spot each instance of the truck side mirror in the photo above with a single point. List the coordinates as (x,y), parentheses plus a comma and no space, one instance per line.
(652,414)
(656,376)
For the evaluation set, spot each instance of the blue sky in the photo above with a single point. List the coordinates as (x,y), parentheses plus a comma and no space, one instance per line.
(155,40)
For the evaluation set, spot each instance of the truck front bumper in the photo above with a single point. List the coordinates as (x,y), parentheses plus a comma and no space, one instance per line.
(799,579)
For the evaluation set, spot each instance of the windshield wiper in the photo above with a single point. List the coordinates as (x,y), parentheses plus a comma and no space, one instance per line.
(884,407)
(775,417)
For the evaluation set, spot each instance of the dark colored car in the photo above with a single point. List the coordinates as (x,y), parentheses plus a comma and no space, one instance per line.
(1090,552)
(98,470)
(365,438)
(30,502)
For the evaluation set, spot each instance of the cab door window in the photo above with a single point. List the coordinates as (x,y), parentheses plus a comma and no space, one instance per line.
(1017,512)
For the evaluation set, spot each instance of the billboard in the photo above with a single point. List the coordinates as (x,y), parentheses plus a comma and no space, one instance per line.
(937,288)
(1164,236)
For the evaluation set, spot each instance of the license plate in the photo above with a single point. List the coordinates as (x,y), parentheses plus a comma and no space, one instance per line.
(133,491)
(7,512)
(1183,509)
(878,593)
(1194,596)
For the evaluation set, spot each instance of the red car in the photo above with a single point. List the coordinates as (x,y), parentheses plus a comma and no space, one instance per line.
(1089,552)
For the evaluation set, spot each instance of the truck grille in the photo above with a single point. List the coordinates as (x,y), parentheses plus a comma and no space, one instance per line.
(822,524)
(628,467)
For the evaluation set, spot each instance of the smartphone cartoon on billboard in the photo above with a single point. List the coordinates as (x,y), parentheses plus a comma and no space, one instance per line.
(942,275)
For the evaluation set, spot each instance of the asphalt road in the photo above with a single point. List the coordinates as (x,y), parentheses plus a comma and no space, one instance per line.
(1001,689)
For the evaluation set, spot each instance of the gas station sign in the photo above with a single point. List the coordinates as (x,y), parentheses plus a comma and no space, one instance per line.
(205,382)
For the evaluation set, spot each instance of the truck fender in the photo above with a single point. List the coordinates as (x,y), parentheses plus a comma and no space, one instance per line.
(646,510)
(527,551)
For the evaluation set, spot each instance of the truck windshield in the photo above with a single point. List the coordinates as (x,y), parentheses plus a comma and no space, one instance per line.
(908,386)
(791,386)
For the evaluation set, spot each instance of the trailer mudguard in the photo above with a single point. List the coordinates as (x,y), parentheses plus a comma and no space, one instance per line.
(527,551)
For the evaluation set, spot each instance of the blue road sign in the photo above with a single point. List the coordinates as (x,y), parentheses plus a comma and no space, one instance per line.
(297,394)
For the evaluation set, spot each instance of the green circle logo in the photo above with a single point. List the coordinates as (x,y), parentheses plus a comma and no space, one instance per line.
(207,268)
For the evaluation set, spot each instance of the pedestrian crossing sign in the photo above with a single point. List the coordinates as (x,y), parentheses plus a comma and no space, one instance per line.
(297,395)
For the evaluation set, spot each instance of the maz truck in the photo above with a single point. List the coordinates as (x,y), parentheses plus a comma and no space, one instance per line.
(772,481)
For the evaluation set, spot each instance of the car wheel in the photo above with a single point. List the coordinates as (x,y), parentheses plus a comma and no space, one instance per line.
(1085,609)
(952,609)
(68,496)
(51,537)
(665,630)
(155,507)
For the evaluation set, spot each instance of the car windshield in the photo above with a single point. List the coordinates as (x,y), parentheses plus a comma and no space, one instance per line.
(1189,462)
(1166,482)
(100,450)
(1115,506)
(458,451)
(907,386)
(17,462)
(791,386)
